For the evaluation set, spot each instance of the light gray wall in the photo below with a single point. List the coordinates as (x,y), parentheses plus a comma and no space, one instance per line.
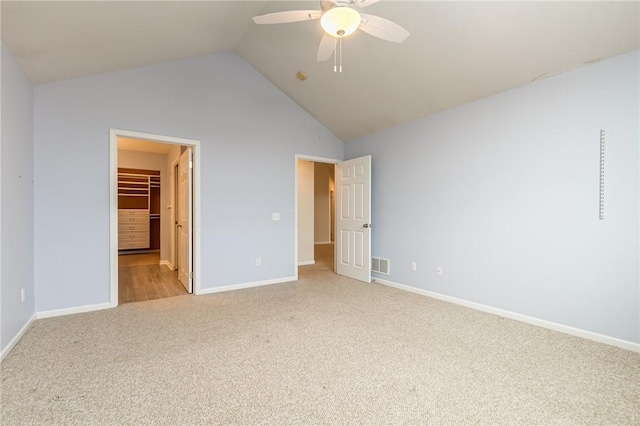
(321,203)
(17,227)
(503,194)
(249,131)
(153,161)
(306,249)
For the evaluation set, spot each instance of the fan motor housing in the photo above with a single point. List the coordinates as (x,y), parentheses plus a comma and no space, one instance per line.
(328,4)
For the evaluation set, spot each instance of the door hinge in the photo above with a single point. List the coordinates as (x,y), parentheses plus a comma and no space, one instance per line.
(190,275)
(191,164)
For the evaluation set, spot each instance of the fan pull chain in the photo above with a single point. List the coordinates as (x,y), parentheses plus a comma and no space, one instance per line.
(335,44)
(337,54)
(340,54)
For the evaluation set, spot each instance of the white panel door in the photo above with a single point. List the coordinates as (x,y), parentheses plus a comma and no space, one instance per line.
(185,224)
(353,218)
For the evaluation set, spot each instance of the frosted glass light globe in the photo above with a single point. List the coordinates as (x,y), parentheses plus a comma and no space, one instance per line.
(340,21)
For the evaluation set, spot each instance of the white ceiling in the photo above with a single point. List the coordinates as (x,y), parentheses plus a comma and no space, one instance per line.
(56,40)
(457,52)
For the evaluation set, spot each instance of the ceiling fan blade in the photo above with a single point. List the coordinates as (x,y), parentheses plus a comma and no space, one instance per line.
(365,3)
(288,16)
(326,48)
(383,28)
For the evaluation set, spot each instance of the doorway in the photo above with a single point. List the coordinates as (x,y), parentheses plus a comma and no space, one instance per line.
(145,211)
(315,227)
(351,207)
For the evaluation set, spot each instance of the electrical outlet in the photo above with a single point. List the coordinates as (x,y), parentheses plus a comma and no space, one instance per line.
(275,216)
(439,271)
(258,261)
(414,267)
(22,294)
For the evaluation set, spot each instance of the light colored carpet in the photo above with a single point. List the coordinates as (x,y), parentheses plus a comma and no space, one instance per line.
(323,350)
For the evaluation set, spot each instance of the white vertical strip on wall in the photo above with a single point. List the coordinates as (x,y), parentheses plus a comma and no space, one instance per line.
(602,146)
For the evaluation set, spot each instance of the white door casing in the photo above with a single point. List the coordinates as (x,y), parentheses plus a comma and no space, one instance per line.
(114,134)
(353,218)
(185,222)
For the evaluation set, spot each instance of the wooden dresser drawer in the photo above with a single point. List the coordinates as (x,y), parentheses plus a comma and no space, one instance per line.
(133,238)
(135,244)
(133,235)
(133,219)
(133,212)
(132,226)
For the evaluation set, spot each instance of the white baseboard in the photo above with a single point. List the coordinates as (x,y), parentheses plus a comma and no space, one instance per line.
(245,285)
(323,242)
(76,310)
(601,338)
(17,338)
(307,262)
(167,264)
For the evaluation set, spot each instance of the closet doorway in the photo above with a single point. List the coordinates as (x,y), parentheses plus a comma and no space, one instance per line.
(315,190)
(153,217)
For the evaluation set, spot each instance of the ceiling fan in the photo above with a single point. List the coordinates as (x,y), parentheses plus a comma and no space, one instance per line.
(339,19)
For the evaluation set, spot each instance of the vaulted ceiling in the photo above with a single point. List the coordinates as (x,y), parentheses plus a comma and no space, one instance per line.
(457,52)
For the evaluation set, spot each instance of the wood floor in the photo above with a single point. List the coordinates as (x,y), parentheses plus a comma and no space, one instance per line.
(141,278)
(323,255)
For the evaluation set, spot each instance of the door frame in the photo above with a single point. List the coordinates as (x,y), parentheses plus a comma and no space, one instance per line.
(314,159)
(113,203)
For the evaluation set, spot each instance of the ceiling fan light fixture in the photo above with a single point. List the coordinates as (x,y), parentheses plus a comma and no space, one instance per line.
(340,21)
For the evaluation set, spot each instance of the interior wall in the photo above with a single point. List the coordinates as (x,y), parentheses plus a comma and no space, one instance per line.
(306,250)
(16,201)
(503,194)
(249,131)
(153,161)
(322,203)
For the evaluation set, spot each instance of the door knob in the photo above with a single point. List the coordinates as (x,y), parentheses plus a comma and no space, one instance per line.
(367,225)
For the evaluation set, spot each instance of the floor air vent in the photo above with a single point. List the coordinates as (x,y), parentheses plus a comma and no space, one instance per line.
(380,265)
